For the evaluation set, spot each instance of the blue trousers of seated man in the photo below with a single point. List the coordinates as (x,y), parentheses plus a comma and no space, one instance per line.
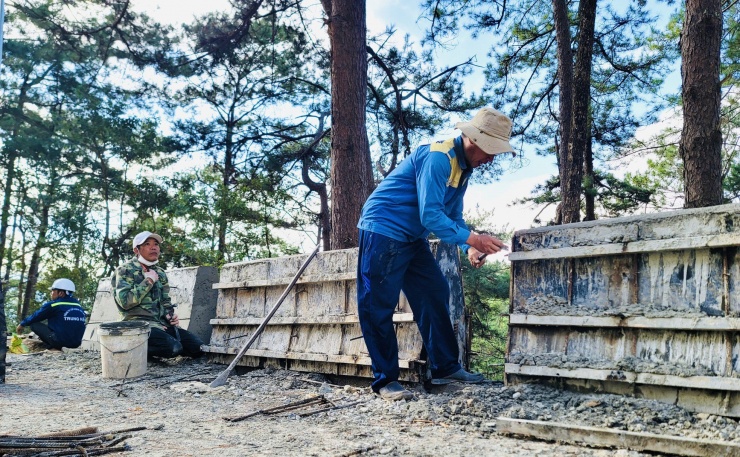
(47,335)
(164,343)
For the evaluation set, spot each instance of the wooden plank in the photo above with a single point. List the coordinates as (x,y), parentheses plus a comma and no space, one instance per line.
(322,299)
(290,320)
(247,302)
(402,363)
(610,438)
(278,339)
(347,276)
(671,244)
(716,324)
(694,382)
(410,345)
(321,339)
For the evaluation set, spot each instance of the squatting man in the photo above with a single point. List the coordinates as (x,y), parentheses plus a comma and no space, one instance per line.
(142,292)
(64,317)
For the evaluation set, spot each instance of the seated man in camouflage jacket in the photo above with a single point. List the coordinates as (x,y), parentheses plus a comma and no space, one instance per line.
(142,292)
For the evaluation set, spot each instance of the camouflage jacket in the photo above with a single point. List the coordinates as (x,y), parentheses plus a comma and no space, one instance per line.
(135,298)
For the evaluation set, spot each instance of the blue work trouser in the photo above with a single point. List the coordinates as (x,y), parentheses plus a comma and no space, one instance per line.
(385,267)
(46,335)
(164,343)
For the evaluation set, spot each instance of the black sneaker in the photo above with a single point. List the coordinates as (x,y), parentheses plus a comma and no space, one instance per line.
(394,391)
(460,376)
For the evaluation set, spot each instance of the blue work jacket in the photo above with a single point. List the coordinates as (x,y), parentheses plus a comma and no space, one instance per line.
(65,317)
(423,195)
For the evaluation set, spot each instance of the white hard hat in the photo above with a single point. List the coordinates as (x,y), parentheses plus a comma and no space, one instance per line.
(63,284)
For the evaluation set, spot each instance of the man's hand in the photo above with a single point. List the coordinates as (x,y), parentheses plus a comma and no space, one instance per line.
(476,258)
(19,329)
(151,274)
(174,320)
(485,244)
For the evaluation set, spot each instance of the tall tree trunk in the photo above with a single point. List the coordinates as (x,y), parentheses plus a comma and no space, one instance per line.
(701,137)
(589,186)
(10,171)
(9,263)
(21,281)
(3,333)
(565,84)
(571,165)
(7,191)
(581,120)
(226,177)
(351,172)
(33,267)
(106,184)
(318,187)
(80,243)
(5,214)
(3,285)
(22,268)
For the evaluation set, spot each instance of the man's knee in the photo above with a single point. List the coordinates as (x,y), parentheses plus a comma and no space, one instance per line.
(191,344)
(165,347)
(168,351)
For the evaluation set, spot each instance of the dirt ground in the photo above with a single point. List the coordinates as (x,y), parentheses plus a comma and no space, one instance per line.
(54,391)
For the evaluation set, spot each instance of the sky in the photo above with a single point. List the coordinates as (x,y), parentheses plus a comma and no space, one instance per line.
(497,196)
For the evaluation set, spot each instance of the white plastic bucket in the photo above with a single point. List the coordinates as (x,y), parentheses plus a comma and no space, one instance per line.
(123,348)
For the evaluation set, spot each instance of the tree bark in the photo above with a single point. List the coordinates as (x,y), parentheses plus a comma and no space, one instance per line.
(565,84)
(8,190)
(589,185)
(80,243)
(5,215)
(701,137)
(10,171)
(227,174)
(581,119)
(351,172)
(22,268)
(319,187)
(3,333)
(105,184)
(33,267)
(9,263)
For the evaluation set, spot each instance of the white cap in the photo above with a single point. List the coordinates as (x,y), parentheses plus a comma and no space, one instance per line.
(63,284)
(143,236)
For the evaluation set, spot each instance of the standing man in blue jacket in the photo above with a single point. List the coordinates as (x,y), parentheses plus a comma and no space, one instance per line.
(423,195)
(65,318)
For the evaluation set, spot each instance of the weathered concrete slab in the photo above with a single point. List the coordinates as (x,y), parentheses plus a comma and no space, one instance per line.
(719,223)
(104,310)
(648,301)
(191,290)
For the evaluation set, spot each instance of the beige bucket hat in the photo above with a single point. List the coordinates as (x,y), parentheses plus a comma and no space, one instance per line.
(489,130)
